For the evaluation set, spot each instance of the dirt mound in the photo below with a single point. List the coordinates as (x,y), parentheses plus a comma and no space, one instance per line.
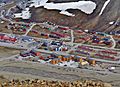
(82,20)
(44,83)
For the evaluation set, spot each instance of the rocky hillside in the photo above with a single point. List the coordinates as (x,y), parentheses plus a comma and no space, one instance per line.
(45,83)
(82,20)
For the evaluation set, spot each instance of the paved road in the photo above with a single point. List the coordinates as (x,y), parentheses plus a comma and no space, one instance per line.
(114,42)
(13,45)
(50,52)
(72,37)
(29,29)
(72,48)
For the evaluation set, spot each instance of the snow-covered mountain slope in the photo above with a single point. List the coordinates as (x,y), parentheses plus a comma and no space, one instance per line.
(107,11)
(85,6)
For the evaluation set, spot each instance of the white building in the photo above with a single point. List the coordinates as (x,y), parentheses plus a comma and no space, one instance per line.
(25,14)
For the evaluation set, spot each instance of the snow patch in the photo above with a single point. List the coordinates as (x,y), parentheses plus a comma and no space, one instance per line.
(104,6)
(24,15)
(66,13)
(37,3)
(85,6)
(111,23)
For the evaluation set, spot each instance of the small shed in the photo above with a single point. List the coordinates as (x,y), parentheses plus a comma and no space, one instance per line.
(35,53)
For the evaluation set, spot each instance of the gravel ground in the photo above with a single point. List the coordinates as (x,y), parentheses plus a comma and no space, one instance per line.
(6,52)
(42,73)
(34,70)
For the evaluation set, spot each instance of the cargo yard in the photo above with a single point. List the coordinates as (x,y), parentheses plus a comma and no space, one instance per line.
(51,49)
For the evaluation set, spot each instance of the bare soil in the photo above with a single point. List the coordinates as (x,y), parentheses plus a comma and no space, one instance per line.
(82,20)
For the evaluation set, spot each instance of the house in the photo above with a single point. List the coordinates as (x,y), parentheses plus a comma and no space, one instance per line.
(78,59)
(35,53)
(24,54)
(96,41)
(92,62)
(63,28)
(26,38)
(79,31)
(109,52)
(6,37)
(2,36)
(107,42)
(58,34)
(13,39)
(55,61)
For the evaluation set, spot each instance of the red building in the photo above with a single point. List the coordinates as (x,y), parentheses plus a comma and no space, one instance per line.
(13,39)
(63,28)
(7,38)
(35,53)
(2,36)
(58,34)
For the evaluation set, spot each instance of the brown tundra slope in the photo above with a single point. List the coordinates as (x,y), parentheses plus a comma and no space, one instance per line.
(82,20)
